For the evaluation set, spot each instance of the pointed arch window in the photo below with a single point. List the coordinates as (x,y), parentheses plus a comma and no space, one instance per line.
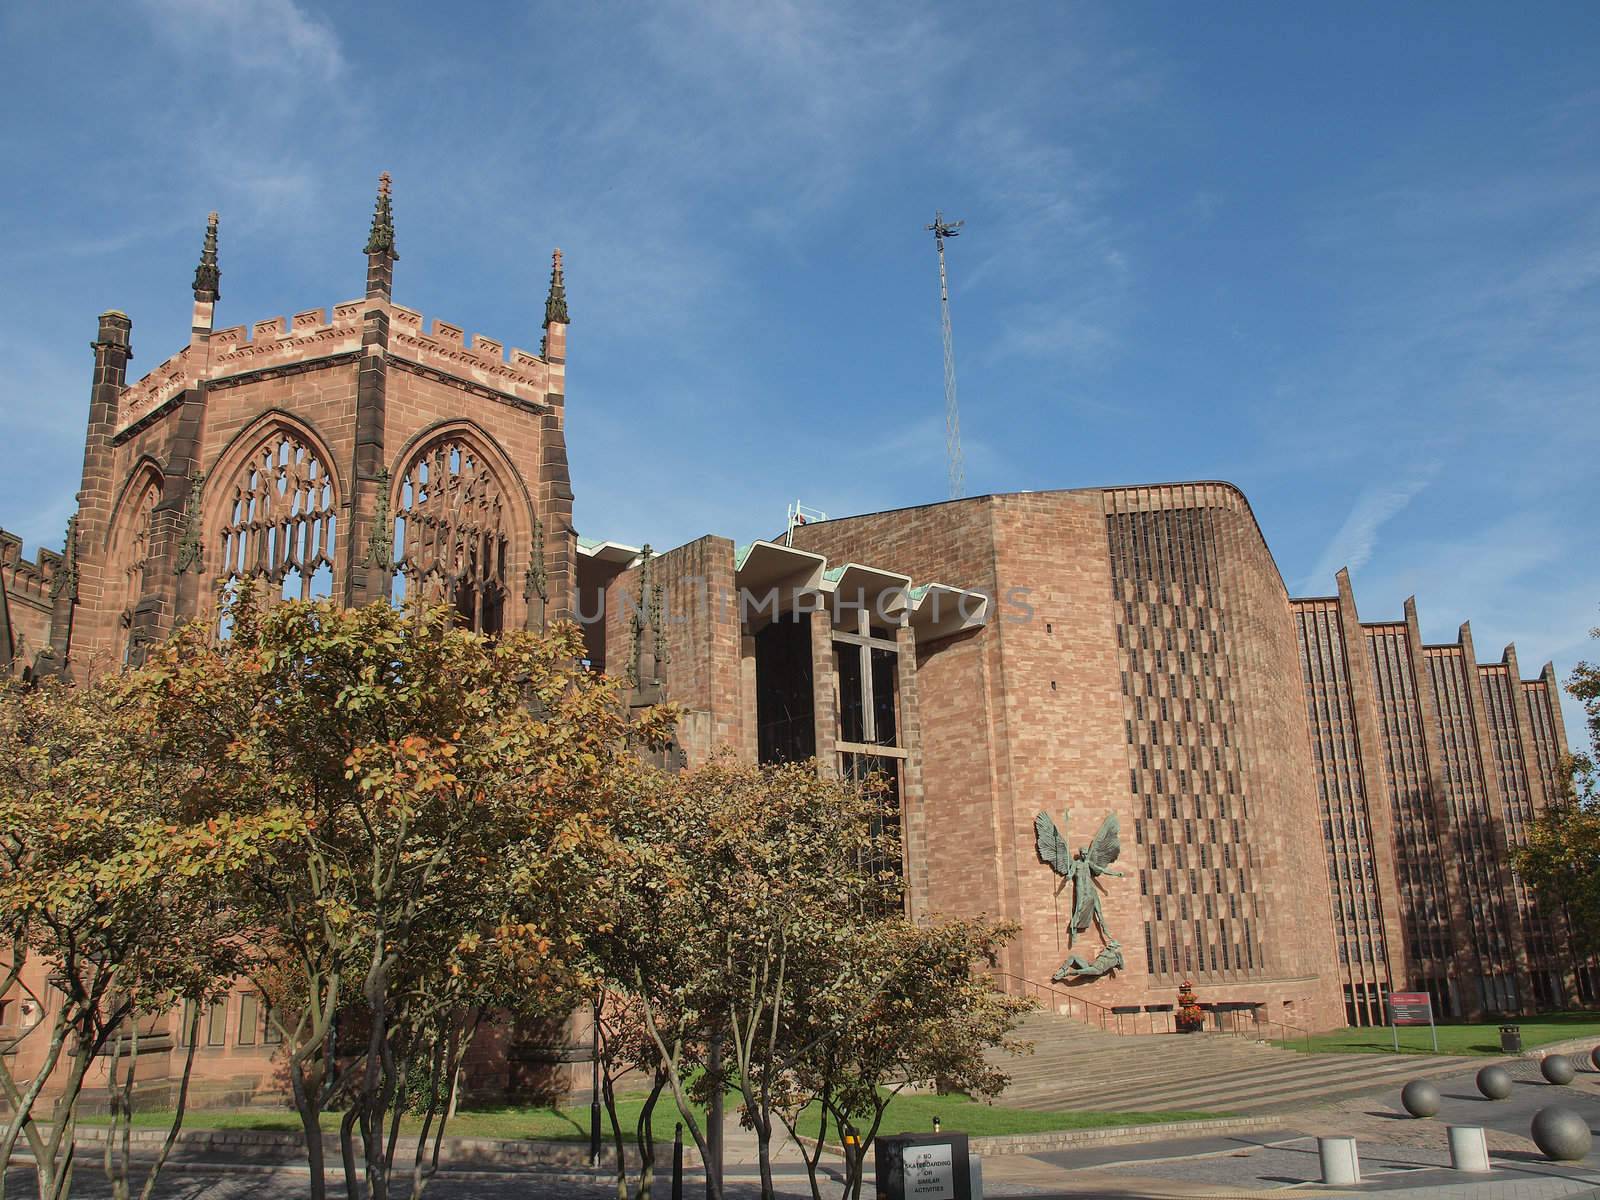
(134,550)
(280,524)
(450,534)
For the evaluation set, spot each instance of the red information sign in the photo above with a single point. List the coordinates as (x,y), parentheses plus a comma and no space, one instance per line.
(1410,1008)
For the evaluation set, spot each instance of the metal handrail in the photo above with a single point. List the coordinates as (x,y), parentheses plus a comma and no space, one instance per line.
(1094,1013)
(1291,1032)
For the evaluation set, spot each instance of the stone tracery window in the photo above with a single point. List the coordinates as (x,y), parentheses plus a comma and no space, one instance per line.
(134,550)
(280,524)
(450,534)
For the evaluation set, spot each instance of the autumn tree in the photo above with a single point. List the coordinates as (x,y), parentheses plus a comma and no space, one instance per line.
(412,808)
(733,889)
(898,1005)
(625,1049)
(110,914)
(1561,860)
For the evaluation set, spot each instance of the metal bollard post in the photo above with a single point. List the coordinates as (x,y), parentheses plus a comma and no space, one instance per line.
(677,1163)
(1468,1149)
(1340,1163)
(975,1176)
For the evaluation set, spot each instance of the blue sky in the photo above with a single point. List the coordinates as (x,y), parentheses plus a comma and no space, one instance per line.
(1347,257)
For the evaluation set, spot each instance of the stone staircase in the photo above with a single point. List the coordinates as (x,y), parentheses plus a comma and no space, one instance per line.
(1075,1066)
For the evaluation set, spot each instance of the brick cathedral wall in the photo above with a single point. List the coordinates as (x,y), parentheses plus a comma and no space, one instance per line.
(999,744)
(1218,754)
(1064,742)
(701,631)
(1291,866)
(99,635)
(415,404)
(27,588)
(958,699)
(1360,880)
(322,400)
(321,395)
(1442,769)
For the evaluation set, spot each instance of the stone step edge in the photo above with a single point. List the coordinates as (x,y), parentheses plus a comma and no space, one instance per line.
(1323,1073)
(1221,1082)
(1146,1070)
(1200,1097)
(1250,1103)
(1174,1095)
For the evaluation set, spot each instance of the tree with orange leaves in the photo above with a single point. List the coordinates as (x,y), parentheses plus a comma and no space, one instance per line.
(408,810)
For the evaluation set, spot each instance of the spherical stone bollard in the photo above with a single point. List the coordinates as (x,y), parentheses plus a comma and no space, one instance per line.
(1557,1068)
(1594,1057)
(1494,1083)
(1561,1134)
(1420,1098)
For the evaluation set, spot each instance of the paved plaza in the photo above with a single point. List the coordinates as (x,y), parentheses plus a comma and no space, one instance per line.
(1400,1157)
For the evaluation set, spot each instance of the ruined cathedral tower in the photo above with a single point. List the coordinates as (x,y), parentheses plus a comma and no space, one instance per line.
(352,455)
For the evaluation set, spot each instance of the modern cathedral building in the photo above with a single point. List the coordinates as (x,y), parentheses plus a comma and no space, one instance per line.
(1314,809)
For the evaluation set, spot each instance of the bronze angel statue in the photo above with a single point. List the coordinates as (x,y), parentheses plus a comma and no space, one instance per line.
(1081,869)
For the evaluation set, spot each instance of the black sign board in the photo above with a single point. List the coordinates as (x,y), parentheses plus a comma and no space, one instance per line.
(923,1166)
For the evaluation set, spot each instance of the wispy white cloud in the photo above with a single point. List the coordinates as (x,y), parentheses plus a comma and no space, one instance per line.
(1353,545)
(277,36)
(1045,331)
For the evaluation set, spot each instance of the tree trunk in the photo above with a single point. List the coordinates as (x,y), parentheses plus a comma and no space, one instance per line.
(179,1110)
(347,1151)
(311,1128)
(646,1135)
(616,1133)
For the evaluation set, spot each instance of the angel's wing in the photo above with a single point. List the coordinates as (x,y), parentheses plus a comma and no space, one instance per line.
(1052,846)
(1107,843)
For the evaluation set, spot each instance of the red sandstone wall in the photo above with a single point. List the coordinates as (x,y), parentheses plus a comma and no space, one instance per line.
(205,409)
(699,610)
(417,406)
(1291,870)
(998,743)
(958,698)
(27,588)
(1064,729)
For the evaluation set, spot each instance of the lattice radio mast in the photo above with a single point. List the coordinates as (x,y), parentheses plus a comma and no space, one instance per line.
(942,229)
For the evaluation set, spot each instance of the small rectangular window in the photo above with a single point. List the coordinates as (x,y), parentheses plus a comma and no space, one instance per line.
(249,1019)
(217,1022)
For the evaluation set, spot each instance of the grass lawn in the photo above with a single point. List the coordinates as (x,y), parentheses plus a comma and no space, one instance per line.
(907,1114)
(1455,1037)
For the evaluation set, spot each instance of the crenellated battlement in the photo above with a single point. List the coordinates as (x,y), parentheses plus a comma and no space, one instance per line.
(313,333)
(481,359)
(155,390)
(29,582)
(319,333)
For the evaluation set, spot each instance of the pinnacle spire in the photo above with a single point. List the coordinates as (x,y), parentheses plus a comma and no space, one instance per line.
(208,276)
(381,239)
(555,305)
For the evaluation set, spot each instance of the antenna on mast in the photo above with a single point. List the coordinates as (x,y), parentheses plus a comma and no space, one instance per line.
(942,229)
